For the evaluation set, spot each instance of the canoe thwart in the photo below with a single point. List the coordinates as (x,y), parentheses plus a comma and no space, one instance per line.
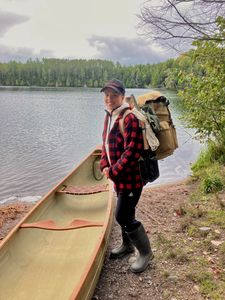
(96,154)
(84,190)
(98,150)
(51,225)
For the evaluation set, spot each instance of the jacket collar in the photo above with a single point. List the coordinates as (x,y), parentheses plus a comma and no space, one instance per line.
(116,112)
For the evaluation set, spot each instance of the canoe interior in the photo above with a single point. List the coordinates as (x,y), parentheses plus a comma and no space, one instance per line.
(42,264)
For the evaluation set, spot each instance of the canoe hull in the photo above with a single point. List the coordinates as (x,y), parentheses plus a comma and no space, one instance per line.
(57,250)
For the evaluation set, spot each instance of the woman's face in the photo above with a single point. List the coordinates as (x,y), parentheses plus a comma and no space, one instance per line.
(112,99)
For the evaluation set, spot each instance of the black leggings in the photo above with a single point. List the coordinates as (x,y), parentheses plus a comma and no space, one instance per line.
(125,209)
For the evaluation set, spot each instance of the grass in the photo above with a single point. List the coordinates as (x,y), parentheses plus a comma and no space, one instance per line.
(171,250)
(210,286)
(193,231)
(212,183)
(185,223)
(216,217)
(213,154)
(178,254)
(201,272)
(209,168)
(201,260)
(206,208)
(222,255)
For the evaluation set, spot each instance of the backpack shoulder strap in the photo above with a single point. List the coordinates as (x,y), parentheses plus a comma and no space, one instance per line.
(121,121)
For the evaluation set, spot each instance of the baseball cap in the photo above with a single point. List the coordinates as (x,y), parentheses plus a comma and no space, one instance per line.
(115,85)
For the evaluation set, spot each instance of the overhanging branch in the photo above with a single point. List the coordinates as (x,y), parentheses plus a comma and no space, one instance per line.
(194,19)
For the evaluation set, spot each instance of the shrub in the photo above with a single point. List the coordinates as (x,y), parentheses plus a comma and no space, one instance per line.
(212,183)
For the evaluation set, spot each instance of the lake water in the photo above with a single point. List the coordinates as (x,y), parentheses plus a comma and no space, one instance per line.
(45,132)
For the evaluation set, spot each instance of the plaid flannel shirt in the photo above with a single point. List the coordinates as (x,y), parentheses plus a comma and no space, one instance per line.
(124,152)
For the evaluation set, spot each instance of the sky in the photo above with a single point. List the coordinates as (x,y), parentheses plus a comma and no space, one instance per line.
(75,29)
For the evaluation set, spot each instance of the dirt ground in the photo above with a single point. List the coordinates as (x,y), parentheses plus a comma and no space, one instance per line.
(165,278)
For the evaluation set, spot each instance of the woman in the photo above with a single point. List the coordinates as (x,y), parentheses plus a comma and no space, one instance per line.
(119,162)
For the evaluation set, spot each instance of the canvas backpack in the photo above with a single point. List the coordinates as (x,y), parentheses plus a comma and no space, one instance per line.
(148,164)
(153,107)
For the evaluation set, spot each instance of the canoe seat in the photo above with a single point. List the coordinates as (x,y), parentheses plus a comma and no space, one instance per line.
(51,225)
(84,190)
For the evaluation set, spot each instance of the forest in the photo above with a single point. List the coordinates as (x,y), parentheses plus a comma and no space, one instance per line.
(91,73)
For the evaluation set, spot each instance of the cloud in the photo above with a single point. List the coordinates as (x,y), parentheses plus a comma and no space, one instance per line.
(22,54)
(127,51)
(8,20)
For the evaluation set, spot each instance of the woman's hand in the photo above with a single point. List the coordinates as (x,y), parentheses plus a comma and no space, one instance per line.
(106,172)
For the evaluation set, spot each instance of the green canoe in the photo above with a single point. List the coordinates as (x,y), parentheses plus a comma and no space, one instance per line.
(57,250)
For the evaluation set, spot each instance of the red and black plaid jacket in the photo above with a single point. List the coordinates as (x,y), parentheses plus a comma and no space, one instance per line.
(124,152)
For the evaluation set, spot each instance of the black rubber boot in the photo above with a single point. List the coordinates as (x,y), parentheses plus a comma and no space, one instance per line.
(125,248)
(140,240)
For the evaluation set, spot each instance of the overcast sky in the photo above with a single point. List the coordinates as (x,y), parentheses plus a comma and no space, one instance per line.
(84,29)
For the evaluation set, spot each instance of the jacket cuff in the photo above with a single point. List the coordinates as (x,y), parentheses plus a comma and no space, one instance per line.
(102,167)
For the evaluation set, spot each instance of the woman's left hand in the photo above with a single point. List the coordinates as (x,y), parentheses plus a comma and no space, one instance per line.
(106,172)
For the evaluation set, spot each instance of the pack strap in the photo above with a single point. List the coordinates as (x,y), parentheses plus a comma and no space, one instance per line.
(141,124)
(121,121)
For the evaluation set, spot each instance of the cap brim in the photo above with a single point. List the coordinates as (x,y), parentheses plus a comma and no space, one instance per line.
(111,87)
